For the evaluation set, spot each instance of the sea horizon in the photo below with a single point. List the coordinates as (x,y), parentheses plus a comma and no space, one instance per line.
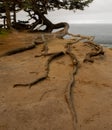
(101,32)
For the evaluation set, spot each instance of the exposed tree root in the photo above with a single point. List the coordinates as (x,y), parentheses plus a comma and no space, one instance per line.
(58,34)
(18,50)
(98,50)
(68,94)
(90,38)
(61,33)
(29,47)
(45,47)
(68,90)
(43,54)
(55,55)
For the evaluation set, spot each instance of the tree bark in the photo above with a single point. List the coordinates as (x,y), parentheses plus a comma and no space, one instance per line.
(49,25)
(14,11)
(7,12)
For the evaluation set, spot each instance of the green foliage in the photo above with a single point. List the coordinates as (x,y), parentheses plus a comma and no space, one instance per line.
(38,8)
(45,5)
(4,32)
(49,5)
(69,4)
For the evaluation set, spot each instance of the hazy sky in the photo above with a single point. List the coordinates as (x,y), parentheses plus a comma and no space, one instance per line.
(99,11)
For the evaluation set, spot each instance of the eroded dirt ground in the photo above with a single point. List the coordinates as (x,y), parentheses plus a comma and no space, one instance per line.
(43,106)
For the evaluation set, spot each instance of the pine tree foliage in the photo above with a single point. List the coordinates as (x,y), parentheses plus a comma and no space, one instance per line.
(37,9)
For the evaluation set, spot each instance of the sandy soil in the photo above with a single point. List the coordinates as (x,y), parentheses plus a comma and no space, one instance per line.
(43,106)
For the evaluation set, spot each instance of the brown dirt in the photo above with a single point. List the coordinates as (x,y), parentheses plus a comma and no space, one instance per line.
(43,107)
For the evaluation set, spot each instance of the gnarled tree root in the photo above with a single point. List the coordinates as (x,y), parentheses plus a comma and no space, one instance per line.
(29,47)
(53,56)
(68,90)
(18,50)
(98,50)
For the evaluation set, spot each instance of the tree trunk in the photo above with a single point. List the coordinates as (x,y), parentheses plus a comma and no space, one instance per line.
(7,12)
(14,12)
(49,25)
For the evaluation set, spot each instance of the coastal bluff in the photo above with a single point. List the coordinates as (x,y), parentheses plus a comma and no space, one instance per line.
(48,86)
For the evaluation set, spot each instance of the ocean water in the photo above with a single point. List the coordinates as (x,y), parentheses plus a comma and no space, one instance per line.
(102,32)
